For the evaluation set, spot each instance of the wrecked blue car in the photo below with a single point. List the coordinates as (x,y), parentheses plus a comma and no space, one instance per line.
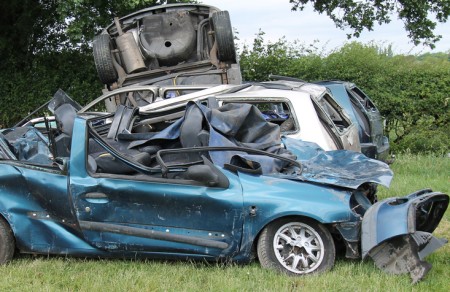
(364,113)
(217,184)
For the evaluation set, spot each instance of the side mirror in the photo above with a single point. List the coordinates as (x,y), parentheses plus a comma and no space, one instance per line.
(207,175)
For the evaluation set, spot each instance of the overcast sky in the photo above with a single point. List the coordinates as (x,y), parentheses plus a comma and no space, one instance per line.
(275,19)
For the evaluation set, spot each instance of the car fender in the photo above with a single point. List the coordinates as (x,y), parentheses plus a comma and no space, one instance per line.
(267,199)
(276,197)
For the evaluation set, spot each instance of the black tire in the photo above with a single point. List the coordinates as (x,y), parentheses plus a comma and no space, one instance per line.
(103,59)
(224,36)
(312,250)
(7,244)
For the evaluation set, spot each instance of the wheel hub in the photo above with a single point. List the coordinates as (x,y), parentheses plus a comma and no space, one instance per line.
(298,247)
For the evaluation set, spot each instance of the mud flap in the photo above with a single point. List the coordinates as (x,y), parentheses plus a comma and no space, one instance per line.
(404,254)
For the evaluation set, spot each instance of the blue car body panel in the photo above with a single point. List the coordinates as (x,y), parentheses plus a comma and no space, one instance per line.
(397,232)
(400,216)
(50,226)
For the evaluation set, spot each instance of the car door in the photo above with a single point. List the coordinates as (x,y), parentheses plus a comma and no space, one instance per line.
(338,122)
(146,213)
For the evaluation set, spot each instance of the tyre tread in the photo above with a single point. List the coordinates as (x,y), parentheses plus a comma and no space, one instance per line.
(224,36)
(103,59)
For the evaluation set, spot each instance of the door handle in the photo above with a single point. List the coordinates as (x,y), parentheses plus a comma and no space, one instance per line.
(99,198)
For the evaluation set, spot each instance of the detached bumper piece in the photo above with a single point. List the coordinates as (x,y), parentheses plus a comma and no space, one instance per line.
(396,232)
(403,254)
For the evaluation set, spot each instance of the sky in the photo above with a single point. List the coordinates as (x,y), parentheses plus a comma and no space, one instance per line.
(275,19)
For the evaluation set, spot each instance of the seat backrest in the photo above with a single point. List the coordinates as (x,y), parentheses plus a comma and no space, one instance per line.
(65,116)
(123,119)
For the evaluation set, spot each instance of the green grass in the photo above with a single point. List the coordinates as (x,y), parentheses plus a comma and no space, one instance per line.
(28,273)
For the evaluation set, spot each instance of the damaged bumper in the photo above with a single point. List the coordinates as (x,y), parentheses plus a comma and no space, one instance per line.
(396,233)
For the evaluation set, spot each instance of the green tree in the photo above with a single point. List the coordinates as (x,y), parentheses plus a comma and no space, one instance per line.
(28,27)
(32,26)
(418,16)
(45,45)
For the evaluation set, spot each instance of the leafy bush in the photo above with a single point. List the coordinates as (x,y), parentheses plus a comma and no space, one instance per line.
(425,137)
(26,89)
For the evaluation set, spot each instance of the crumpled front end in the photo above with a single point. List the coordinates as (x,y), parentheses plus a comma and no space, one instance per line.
(396,232)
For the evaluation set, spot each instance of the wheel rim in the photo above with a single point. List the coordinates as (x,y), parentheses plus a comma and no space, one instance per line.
(298,247)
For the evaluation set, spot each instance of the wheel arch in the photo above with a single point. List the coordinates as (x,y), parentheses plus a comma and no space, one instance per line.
(284,217)
(314,246)
(9,224)
(8,248)
(5,218)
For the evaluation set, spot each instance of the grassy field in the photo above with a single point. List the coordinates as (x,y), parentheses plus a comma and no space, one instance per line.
(27,273)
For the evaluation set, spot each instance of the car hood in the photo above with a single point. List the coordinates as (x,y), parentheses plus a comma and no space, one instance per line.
(339,167)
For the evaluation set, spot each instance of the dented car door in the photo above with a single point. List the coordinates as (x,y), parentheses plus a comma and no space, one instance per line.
(141,212)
